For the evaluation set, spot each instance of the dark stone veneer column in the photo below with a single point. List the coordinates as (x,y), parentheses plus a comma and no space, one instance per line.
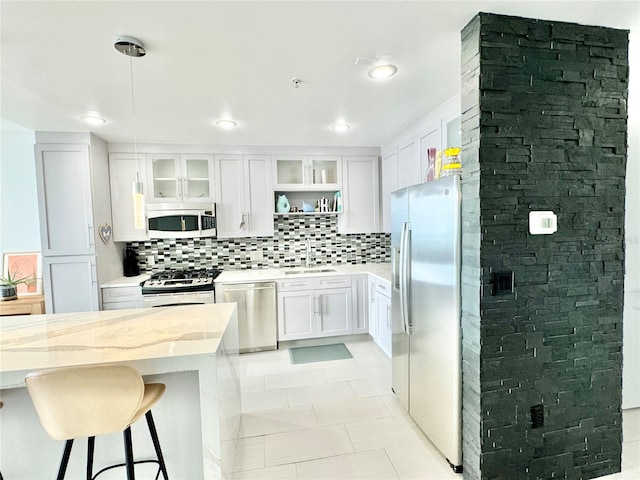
(544,128)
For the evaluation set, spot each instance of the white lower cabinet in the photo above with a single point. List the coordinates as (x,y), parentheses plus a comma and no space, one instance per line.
(118,298)
(70,283)
(296,315)
(314,307)
(333,312)
(383,307)
(380,313)
(360,303)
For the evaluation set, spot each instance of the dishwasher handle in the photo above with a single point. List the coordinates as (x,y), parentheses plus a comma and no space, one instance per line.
(249,286)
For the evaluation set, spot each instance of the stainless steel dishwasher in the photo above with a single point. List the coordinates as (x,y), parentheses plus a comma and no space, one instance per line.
(257,321)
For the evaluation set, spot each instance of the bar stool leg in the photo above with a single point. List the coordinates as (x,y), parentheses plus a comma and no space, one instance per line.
(128,454)
(91,441)
(65,459)
(156,444)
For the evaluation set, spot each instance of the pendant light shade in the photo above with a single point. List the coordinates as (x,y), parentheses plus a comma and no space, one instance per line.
(132,47)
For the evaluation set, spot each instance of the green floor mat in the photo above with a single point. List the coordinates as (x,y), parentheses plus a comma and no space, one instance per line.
(320,353)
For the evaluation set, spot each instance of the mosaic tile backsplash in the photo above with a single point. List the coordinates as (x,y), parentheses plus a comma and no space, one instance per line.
(287,247)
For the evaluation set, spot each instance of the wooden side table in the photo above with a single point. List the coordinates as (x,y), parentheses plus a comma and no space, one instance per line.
(26,305)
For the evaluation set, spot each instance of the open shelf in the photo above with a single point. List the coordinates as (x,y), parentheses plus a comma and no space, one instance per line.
(296,199)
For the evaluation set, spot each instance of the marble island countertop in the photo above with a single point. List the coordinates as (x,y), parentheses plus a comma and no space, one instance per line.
(381,270)
(66,339)
(192,349)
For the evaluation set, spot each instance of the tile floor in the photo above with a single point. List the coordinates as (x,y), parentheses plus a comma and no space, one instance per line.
(338,420)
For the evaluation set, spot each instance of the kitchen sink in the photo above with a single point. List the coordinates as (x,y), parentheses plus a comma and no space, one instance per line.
(310,270)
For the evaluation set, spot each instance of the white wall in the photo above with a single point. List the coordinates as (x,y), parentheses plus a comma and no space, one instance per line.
(19,223)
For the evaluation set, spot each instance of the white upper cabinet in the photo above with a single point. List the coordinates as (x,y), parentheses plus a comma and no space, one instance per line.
(360,195)
(180,178)
(63,175)
(123,168)
(244,196)
(408,164)
(430,141)
(388,184)
(317,172)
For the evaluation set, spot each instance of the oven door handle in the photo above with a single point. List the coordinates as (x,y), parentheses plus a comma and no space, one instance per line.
(177,304)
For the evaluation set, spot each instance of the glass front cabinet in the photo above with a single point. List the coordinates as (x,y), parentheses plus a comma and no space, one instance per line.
(318,172)
(180,178)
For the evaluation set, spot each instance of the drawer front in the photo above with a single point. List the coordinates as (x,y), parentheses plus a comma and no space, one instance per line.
(340,281)
(122,294)
(121,305)
(294,284)
(383,287)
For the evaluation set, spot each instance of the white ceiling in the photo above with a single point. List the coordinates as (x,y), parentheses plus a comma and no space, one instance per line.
(209,60)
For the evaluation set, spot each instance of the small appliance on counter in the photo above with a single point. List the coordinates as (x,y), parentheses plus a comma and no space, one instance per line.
(131,267)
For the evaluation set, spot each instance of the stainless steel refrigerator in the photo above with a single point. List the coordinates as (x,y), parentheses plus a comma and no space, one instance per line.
(426,341)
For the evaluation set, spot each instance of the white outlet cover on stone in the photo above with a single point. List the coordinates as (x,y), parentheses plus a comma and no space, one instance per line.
(542,222)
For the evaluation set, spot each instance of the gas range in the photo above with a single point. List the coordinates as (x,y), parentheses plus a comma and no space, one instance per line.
(181,281)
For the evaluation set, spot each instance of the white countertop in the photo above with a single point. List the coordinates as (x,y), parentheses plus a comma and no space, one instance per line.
(380,270)
(67,339)
(126,281)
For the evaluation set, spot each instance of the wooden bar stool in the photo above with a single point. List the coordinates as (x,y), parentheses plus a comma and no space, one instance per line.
(88,401)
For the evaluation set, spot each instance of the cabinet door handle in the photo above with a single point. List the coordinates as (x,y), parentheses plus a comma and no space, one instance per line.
(90,235)
(179,185)
(94,274)
(185,187)
(388,317)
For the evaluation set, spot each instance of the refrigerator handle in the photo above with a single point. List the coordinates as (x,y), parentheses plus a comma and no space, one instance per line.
(405,275)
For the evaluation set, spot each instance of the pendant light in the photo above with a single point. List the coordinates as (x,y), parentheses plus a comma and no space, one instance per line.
(132,47)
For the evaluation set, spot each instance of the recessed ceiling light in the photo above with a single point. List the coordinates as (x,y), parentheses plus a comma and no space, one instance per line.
(93,120)
(226,124)
(341,127)
(380,72)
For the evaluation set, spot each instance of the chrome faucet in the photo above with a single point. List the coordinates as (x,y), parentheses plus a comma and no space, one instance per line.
(310,256)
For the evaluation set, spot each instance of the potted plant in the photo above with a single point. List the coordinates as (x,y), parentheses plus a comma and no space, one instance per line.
(9,285)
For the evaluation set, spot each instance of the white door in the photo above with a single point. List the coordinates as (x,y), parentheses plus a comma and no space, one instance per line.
(360,195)
(196,176)
(63,176)
(389,184)
(258,195)
(230,208)
(430,144)
(164,178)
(359,303)
(324,172)
(289,171)
(383,307)
(122,173)
(70,284)
(373,311)
(296,315)
(408,164)
(333,310)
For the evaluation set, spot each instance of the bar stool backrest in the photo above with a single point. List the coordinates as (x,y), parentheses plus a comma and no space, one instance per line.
(85,401)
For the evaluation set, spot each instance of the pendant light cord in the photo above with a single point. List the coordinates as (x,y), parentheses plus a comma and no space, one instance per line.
(133,111)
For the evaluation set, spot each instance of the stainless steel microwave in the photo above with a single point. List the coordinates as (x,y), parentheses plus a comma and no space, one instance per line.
(167,221)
